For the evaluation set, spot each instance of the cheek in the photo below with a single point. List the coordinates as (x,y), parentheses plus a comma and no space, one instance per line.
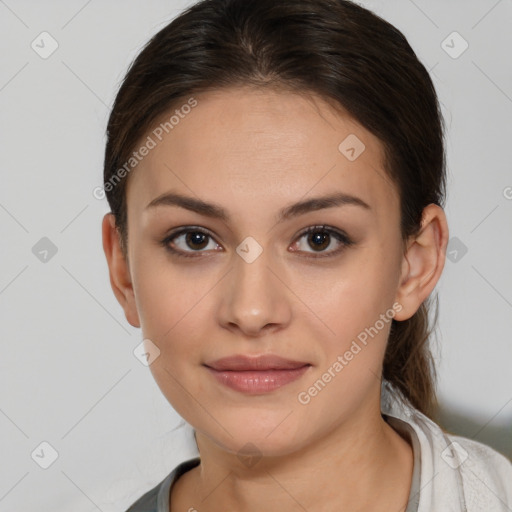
(168,296)
(175,311)
(171,312)
(354,298)
(362,289)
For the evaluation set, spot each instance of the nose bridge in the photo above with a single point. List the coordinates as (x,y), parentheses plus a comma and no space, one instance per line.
(252,267)
(254,296)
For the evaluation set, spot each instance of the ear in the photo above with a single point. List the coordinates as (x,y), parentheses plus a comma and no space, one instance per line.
(120,278)
(423,262)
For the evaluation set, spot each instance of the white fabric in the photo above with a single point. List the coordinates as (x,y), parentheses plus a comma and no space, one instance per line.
(456,474)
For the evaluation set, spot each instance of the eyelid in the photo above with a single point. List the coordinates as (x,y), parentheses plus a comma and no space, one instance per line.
(339,234)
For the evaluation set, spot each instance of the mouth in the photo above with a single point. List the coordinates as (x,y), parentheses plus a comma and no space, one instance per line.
(256,375)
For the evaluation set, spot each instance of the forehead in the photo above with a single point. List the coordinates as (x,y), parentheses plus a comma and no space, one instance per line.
(260,145)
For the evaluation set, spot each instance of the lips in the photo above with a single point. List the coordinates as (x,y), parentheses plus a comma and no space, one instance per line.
(256,375)
(242,363)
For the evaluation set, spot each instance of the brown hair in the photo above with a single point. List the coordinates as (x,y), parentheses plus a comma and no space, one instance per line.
(334,48)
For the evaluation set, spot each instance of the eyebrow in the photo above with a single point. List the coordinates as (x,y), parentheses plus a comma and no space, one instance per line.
(216,211)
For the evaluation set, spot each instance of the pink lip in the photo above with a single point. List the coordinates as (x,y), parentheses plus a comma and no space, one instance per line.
(256,375)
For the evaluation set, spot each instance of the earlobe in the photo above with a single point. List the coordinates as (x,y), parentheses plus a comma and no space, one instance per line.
(119,272)
(423,262)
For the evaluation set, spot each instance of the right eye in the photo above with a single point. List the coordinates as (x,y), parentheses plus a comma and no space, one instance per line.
(192,238)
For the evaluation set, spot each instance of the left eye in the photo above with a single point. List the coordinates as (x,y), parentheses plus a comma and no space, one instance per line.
(321,237)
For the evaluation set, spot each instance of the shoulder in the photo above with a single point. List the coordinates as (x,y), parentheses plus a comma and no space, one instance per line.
(464,470)
(482,468)
(457,473)
(157,498)
(147,502)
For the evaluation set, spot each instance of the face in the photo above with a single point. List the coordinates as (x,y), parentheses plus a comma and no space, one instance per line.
(244,277)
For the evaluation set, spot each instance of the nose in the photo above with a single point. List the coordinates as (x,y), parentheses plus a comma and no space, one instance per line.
(255,300)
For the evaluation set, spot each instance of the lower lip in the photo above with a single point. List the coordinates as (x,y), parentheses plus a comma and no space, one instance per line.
(257,381)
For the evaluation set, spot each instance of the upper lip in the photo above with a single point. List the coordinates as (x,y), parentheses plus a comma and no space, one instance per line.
(263,362)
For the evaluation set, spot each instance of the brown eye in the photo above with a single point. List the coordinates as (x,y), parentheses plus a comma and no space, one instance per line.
(320,238)
(188,241)
(196,239)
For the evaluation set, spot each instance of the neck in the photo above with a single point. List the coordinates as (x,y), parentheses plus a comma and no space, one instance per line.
(362,464)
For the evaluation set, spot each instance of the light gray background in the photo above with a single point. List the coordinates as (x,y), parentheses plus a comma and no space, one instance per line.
(68,374)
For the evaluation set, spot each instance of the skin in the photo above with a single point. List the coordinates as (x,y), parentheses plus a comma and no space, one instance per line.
(254,152)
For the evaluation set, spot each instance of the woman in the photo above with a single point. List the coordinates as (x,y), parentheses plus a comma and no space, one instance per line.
(276,175)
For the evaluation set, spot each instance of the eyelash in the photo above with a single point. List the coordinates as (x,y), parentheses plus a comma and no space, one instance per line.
(338,235)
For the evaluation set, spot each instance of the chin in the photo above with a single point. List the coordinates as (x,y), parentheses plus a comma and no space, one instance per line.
(252,437)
